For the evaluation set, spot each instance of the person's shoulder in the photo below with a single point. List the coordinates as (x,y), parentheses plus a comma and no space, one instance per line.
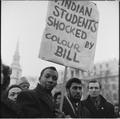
(25,95)
(27,92)
(109,104)
(84,101)
(66,102)
(85,109)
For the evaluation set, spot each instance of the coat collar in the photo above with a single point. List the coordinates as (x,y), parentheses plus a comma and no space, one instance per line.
(77,113)
(40,89)
(92,107)
(102,99)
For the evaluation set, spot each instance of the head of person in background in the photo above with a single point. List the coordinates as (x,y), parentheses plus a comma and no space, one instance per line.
(116,109)
(24,83)
(57,98)
(48,78)
(6,71)
(13,91)
(94,88)
(74,89)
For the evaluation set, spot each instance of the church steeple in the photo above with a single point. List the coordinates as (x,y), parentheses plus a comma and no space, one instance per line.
(16,69)
(16,57)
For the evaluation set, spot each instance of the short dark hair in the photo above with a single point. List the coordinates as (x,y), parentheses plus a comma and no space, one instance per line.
(72,80)
(95,81)
(51,67)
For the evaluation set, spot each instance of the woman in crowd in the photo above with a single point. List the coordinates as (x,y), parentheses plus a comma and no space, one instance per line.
(13,91)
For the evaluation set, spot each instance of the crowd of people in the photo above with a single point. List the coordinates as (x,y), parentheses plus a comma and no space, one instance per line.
(20,101)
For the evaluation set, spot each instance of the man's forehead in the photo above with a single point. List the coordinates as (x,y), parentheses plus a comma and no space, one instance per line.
(95,84)
(75,84)
(51,71)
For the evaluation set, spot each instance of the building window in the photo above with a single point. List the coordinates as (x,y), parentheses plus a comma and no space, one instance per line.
(115,96)
(114,87)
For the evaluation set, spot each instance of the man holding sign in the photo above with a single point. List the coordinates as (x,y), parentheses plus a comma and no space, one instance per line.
(38,103)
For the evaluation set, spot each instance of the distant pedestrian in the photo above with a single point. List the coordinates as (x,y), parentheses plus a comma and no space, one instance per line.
(23,83)
(98,106)
(57,99)
(38,103)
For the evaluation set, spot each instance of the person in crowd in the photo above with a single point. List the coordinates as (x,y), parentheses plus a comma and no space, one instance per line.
(39,103)
(116,110)
(8,109)
(98,106)
(57,99)
(5,77)
(23,83)
(72,105)
(13,91)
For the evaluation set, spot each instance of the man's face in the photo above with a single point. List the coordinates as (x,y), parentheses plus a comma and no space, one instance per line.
(13,93)
(49,79)
(76,91)
(94,89)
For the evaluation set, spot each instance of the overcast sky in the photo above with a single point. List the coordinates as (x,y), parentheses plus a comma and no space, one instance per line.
(25,21)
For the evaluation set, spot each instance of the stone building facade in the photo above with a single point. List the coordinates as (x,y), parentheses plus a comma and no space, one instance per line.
(105,72)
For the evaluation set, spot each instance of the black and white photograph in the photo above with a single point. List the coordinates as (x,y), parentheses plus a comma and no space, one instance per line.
(60,59)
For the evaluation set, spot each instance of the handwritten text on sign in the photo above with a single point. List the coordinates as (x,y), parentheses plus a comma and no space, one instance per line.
(70,34)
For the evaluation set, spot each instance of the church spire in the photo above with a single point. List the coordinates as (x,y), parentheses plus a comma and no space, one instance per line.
(16,57)
(16,69)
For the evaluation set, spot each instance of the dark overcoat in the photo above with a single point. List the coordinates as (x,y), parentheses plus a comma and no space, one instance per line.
(8,109)
(36,103)
(69,109)
(105,110)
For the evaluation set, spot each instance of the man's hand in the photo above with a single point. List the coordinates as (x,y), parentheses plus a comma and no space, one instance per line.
(59,114)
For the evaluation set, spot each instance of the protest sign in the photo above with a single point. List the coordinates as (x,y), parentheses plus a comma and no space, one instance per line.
(70,34)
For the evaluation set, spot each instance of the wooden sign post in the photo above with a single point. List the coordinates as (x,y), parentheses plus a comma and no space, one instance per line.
(63,89)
